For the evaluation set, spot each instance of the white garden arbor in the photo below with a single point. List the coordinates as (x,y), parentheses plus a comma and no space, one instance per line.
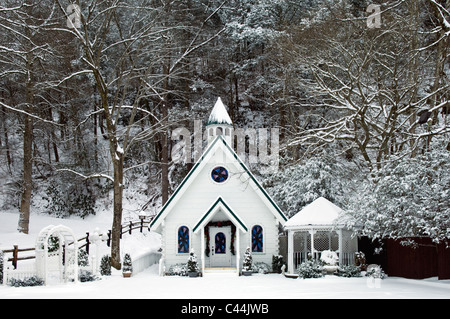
(61,263)
(316,228)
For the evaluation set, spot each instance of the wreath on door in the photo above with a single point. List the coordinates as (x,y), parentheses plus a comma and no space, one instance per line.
(220,224)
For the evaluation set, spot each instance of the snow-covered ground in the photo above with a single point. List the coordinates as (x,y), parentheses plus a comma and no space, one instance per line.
(148,284)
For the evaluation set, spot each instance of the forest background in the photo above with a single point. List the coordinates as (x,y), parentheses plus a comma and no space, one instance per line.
(91,92)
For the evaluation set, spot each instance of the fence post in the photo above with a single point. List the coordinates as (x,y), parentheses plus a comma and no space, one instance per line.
(108,241)
(15,256)
(87,243)
(131,227)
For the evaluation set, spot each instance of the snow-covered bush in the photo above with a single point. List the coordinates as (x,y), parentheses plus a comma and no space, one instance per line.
(277,263)
(261,267)
(127,266)
(349,271)
(310,269)
(248,260)
(86,275)
(375,272)
(105,266)
(177,270)
(192,265)
(83,258)
(27,282)
(360,260)
(329,257)
(53,244)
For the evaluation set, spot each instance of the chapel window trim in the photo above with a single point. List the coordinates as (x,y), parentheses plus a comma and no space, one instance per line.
(183,240)
(257,239)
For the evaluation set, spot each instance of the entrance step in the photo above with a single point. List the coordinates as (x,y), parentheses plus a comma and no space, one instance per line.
(221,270)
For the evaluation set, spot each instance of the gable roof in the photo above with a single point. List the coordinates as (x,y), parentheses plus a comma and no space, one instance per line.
(220,204)
(219,140)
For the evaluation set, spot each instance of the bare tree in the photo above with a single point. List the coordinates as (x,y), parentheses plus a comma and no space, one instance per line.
(369,86)
(129,35)
(23,50)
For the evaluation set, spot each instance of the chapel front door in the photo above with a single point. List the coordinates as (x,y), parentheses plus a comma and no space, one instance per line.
(220,246)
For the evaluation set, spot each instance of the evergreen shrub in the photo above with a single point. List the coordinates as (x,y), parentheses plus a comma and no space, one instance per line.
(26,282)
(277,263)
(310,269)
(105,266)
(349,271)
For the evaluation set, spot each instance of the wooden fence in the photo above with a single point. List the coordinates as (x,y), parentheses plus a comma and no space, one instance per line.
(126,229)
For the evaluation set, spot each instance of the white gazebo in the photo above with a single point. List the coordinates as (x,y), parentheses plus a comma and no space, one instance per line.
(317,228)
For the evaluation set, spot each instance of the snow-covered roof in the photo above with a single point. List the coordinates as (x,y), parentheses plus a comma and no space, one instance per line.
(219,114)
(320,212)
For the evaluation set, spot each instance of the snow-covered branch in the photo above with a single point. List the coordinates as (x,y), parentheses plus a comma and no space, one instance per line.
(6,106)
(99,175)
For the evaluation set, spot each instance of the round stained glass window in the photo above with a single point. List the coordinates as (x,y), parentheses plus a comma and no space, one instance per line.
(219,174)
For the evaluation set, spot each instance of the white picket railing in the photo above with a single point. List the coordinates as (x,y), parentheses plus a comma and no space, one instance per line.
(21,273)
(144,261)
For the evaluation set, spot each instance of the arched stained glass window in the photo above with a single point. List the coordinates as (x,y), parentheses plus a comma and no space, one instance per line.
(220,243)
(257,239)
(183,240)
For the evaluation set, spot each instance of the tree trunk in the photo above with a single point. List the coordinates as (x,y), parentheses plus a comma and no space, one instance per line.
(164,138)
(117,217)
(25,203)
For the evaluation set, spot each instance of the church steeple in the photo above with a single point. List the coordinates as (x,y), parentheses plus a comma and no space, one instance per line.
(219,123)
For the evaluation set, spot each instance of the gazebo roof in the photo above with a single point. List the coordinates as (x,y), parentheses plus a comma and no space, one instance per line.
(320,212)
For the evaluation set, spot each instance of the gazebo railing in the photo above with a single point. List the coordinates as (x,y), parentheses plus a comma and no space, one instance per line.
(348,259)
(302,256)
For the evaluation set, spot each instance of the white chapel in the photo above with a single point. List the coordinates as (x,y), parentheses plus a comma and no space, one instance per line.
(219,209)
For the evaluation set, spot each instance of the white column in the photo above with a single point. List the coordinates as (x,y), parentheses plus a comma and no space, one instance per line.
(305,248)
(202,241)
(312,232)
(291,251)
(238,250)
(341,257)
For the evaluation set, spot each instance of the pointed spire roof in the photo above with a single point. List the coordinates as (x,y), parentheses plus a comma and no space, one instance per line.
(219,114)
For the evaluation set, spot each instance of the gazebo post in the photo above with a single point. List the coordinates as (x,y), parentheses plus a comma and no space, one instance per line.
(329,239)
(291,251)
(305,248)
(340,246)
(312,232)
